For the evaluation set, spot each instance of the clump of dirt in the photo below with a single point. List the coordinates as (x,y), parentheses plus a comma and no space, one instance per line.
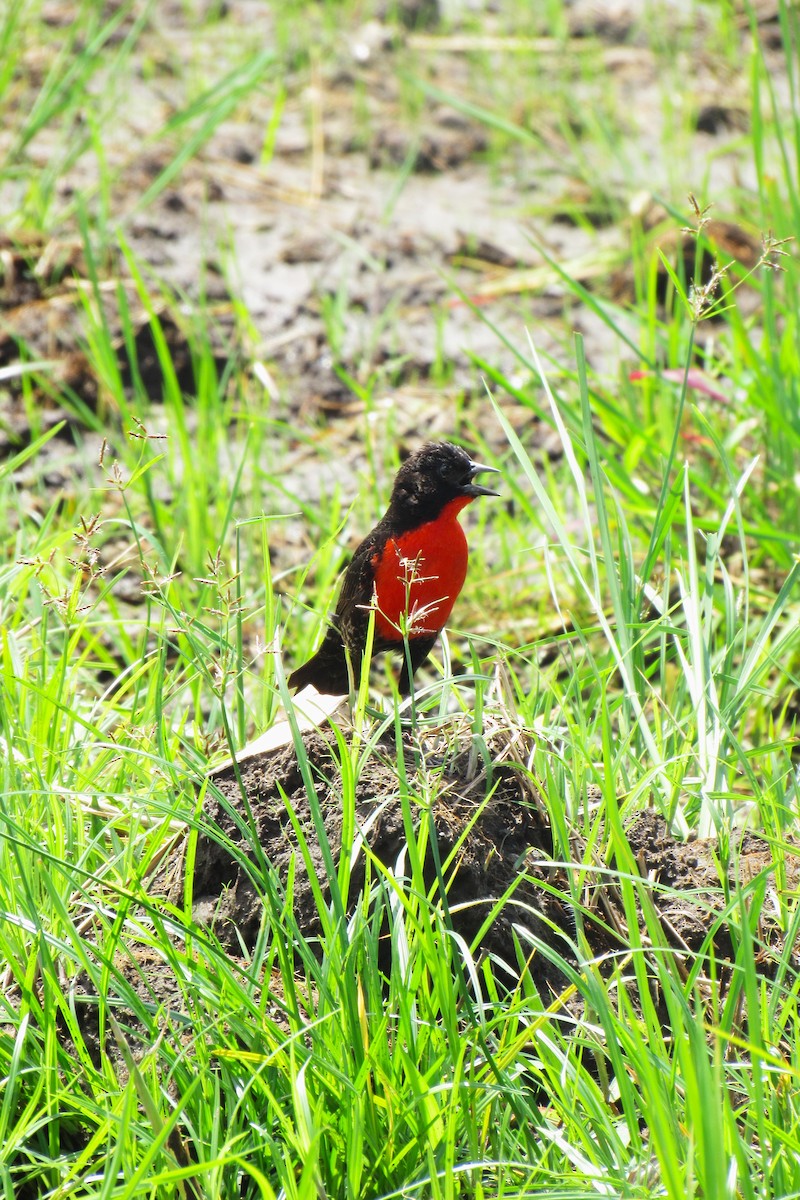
(501,837)
(491,817)
(501,834)
(491,820)
(692,890)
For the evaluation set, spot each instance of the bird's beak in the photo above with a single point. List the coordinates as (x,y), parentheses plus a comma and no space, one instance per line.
(477,489)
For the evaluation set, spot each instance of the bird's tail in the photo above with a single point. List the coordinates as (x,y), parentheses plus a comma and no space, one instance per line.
(327,670)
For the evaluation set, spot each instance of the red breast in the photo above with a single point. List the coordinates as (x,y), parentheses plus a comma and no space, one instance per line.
(420,574)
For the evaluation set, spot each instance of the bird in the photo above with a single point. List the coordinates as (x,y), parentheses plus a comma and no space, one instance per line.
(409,570)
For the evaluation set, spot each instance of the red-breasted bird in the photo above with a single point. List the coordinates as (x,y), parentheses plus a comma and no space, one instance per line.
(410,569)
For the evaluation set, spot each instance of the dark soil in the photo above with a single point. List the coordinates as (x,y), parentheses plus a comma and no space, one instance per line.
(509,844)
(496,818)
(495,854)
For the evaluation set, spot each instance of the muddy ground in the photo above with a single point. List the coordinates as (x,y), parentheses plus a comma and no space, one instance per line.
(402,222)
(374,240)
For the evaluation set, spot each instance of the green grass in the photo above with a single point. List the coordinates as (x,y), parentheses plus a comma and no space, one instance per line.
(637,590)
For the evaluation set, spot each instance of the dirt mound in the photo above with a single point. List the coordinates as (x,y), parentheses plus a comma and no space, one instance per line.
(487,827)
(494,839)
(506,895)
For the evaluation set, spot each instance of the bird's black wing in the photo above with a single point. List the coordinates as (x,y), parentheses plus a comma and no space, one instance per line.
(357,594)
(327,669)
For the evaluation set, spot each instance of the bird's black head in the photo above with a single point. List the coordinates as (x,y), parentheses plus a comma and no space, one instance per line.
(432,477)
